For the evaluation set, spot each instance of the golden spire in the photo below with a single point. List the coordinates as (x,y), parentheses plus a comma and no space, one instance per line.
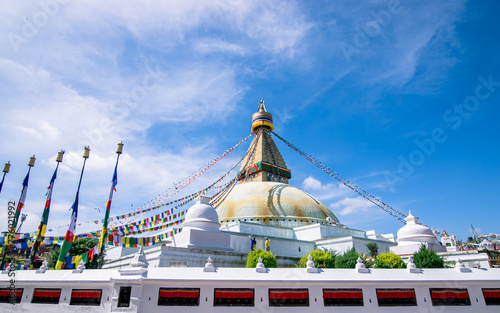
(262,118)
(266,163)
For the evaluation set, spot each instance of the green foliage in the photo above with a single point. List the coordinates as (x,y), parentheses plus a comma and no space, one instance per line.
(322,258)
(348,259)
(389,260)
(372,249)
(10,259)
(80,246)
(267,258)
(52,257)
(426,258)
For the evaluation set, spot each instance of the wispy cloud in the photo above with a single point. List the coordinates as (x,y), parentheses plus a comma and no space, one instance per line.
(350,205)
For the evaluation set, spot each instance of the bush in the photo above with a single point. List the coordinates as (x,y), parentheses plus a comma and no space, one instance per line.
(321,258)
(427,258)
(389,260)
(348,259)
(372,249)
(79,246)
(268,258)
(12,259)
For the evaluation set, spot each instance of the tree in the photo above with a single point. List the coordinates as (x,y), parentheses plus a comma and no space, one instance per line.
(389,260)
(52,257)
(372,249)
(79,246)
(268,258)
(427,258)
(322,258)
(349,259)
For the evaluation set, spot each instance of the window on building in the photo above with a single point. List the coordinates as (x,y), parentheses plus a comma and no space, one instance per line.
(396,297)
(288,297)
(343,297)
(91,297)
(179,296)
(124,296)
(491,296)
(46,295)
(449,296)
(8,295)
(233,297)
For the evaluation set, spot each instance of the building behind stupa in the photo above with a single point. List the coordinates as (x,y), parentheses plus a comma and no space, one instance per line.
(261,205)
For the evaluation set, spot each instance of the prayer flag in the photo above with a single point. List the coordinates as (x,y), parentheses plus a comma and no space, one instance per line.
(45,217)
(20,205)
(104,232)
(68,238)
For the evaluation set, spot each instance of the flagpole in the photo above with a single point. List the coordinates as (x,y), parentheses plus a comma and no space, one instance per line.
(6,169)
(46,210)
(104,232)
(70,233)
(12,231)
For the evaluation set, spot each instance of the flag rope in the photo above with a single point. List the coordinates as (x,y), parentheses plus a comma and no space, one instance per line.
(365,194)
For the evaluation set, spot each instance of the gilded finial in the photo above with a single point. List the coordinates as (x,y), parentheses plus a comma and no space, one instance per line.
(6,168)
(59,157)
(262,107)
(119,149)
(86,153)
(31,163)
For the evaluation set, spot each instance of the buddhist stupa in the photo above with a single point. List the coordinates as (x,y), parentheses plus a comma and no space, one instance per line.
(263,194)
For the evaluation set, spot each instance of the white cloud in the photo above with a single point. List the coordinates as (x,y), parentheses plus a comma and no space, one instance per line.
(217,45)
(348,206)
(311,183)
(325,191)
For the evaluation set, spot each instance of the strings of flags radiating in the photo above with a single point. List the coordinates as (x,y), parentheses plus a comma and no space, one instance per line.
(365,194)
(117,218)
(219,197)
(145,225)
(118,238)
(158,200)
(148,206)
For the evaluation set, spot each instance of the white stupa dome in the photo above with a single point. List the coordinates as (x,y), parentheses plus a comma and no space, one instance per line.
(485,243)
(202,216)
(414,232)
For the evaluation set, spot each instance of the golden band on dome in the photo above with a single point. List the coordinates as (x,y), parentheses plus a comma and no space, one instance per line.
(262,122)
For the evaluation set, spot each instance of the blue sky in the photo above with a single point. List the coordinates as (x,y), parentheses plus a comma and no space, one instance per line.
(400,97)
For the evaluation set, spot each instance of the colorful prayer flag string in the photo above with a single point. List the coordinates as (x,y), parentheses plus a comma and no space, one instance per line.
(365,194)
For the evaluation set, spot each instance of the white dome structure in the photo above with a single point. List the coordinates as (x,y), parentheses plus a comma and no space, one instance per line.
(200,229)
(486,244)
(202,216)
(414,234)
